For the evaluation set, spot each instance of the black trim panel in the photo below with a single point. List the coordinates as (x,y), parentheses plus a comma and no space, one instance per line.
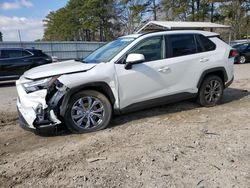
(95,85)
(210,71)
(9,78)
(229,83)
(211,36)
(156,102)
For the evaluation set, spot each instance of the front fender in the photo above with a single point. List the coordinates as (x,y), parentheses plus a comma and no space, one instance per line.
(102,87)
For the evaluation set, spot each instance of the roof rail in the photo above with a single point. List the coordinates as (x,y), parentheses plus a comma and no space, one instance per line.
(153,26)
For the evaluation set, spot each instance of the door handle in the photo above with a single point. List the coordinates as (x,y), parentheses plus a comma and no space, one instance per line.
(164,69)
(203,60)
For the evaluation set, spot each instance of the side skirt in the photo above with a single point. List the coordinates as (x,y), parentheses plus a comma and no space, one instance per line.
(155,102)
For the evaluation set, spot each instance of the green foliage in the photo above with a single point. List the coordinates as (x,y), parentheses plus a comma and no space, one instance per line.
(103,20)
(237,14)
(230,12)
(81,20)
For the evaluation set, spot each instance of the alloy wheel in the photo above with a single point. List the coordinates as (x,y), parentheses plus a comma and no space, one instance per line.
(242,59)
(213,91)
(88,112)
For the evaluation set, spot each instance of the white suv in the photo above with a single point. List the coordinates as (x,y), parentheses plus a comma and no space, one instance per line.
(130,73)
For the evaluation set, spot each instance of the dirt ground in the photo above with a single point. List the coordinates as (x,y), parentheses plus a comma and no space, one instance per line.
(177,145)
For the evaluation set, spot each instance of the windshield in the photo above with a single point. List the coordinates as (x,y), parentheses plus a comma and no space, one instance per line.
(108,51)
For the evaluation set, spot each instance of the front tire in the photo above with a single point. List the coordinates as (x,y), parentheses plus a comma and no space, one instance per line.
(211,91)
(88,111)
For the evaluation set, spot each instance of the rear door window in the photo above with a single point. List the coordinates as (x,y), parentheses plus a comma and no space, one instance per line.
(182,44)
(38,53)
(26,53)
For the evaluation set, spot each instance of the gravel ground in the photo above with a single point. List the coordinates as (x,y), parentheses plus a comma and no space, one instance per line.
(176,145)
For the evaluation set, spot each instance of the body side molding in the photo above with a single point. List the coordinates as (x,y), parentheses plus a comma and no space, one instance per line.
(156,102)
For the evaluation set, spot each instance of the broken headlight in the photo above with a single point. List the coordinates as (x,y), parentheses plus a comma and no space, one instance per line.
(39,84)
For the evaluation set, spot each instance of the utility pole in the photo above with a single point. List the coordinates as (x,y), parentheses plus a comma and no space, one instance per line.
(20,39)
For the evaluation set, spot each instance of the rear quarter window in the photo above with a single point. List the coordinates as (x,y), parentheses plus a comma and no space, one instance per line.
(39,53)
(205,43)
(26,53)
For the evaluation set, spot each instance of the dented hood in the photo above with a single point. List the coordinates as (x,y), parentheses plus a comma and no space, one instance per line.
(53,69)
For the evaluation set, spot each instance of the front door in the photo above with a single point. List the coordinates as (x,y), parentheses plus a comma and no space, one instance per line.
(147,80)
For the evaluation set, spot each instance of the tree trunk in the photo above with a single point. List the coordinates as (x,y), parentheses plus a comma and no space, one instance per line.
(154,10)
(101,31)
(212,12)
(193,10)
(198,10)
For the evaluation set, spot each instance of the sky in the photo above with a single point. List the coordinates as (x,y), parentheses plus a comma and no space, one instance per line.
(26,16)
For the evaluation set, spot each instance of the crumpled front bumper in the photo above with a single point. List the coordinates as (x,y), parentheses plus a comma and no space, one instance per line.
(23,123)
(30,106)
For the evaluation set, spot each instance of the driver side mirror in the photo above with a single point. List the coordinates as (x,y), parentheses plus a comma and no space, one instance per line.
(134,59)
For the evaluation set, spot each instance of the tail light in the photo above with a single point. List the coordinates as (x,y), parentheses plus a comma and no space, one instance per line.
(233,53)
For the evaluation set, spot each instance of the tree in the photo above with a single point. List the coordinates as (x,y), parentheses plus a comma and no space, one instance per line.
(153,6)
(103,20)
(176,9)
(81,20)
(132,14)
(235,13)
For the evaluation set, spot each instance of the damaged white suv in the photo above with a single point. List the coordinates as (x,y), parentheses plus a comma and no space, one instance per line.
(130,73)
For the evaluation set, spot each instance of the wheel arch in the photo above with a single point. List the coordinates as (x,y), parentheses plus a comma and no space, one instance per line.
(101,87)
(218,71)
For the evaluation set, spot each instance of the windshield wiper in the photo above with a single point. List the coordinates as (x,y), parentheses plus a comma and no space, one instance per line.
(81,59)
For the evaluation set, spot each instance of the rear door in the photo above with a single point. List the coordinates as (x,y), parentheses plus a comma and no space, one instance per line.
(184,64)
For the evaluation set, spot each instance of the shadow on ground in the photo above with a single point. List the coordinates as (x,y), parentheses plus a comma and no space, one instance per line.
(7,84)
(230,95)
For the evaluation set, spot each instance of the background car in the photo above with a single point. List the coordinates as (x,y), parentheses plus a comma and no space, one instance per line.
(15,61)
(243,52)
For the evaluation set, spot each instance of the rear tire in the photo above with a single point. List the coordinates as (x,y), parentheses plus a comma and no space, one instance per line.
(88,111)
(242,59)
(211,91)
